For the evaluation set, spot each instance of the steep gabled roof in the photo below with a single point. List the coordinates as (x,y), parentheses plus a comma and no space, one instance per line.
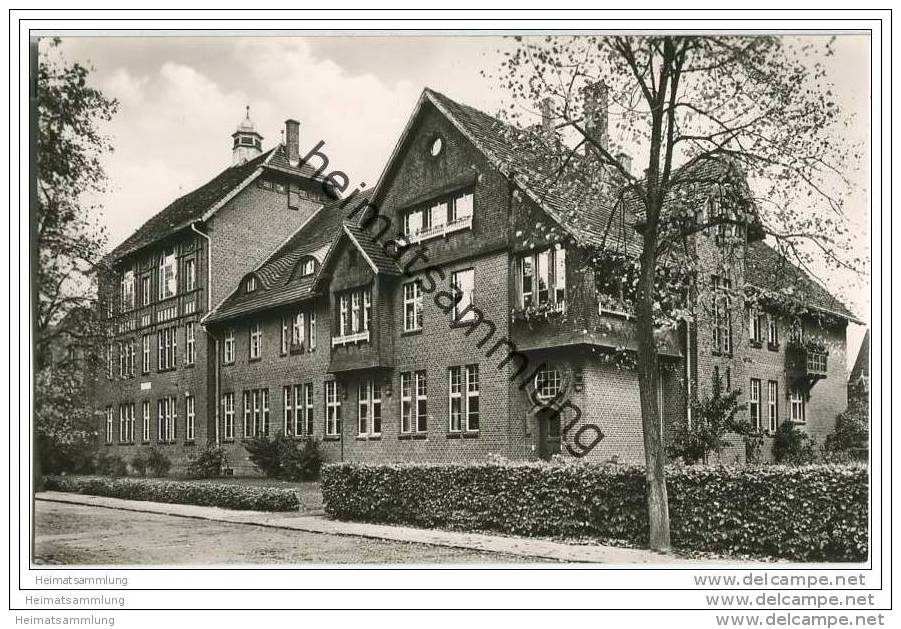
(769,270)
(861,369)
(537,166)
(201,203)
(279,282)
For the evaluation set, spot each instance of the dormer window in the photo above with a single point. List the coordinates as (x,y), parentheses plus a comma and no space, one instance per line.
(250,284)
(307,267)
(436,147)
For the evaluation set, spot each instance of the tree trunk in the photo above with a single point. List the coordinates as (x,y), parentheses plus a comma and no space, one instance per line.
(655,458)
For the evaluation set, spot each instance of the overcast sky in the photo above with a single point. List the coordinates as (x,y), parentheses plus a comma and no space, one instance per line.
(182,97)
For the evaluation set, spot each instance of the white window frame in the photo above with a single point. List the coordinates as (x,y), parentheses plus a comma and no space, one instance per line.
(145,421)
(312,331)
(255,345)
(128,290)
(190,410)
(547,378)
(298,322)
(463,388)
(308,409)
(455,398)
(228,347)
(332,409)
(547,266)
(772,398)
(307,267)
(754,409)
(145,354)
(798,410)
(190,274)
(247,418)
(228,414)
(146,290)
(190,348)
(288,409)
(250,285)
(772,330)
(464,281)
(363,406)
(168,275)
(406,403)
(412,294)
(284,341)
(754,328)
(109,424)
(722,316)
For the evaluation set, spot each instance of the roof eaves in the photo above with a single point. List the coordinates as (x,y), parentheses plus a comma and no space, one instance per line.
(372,264)
(842,315)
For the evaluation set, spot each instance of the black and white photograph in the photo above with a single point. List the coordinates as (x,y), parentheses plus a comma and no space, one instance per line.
(522,299)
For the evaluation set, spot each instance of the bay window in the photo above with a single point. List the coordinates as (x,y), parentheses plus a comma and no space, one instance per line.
(542,278)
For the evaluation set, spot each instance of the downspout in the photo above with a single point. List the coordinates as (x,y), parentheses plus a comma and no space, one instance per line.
(209,305)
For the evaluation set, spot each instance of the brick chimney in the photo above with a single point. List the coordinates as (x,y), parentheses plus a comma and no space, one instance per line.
(547,114)
(292,141)
(594,98)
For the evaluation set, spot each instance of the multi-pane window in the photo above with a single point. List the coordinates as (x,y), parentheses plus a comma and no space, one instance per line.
(189,418)
(298,333)
(228,347)
(722,319)
(228,414)
(307,425)
(110,359)
(542,278)
(126,359)
(463,398)
(126,423)
(145,421)
(464,283)
(412,306)
(145,353)
(308,267)
(332,409)
(772,399)
(796,403)
(354,309)
(122,353)
(128,290)
(250,284)
(109,424)
(414,401)
(772,330)
(548,382)
(168,274)
(312,335)
(256,340)
(755,321)
(146,291)
(288,413)
(370,408)
(256,412)
(166,417)
(167,345)
(440,216)
(190,351)
(190,274)
(754,404)
(131,358)
(285,340)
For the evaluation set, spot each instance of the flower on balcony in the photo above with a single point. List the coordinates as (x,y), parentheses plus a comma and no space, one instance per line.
(538,313)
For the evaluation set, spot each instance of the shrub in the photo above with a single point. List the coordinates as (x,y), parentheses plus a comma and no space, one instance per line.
(158,464)
(793,446)
(264,453)
(815,513)
(300,462)
(110,465)
(851,434)
(139,464)
(207,463)
(713,418)
(285,457)
(227,496)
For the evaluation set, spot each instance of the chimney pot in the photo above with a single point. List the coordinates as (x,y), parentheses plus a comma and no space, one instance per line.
(292,141)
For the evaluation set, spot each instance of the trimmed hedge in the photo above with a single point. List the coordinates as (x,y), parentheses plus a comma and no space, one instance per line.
(223,495)
(812,513)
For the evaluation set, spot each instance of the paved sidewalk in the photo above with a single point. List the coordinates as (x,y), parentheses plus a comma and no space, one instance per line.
(320,523)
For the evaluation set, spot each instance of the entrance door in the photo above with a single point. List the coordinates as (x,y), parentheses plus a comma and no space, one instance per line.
(548,434)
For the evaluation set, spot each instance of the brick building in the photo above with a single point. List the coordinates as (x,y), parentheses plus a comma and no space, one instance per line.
(455,311)
(157,285)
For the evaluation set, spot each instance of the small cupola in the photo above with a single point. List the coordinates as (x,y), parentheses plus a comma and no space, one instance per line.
(248,143)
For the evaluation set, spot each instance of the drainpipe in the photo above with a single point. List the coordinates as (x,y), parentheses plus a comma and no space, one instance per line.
(209,306)
(688,369)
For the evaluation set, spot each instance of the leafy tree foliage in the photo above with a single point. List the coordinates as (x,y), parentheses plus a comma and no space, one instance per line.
(65,426)
(740,134)
(70,144)
(713,418)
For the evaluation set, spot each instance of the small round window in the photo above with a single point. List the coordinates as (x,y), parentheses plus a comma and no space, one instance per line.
(436,147)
